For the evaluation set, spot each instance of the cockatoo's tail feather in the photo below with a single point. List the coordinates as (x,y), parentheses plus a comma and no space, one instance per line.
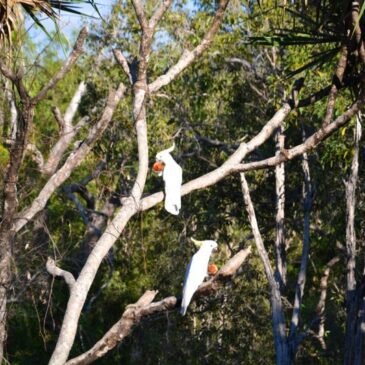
(183,310)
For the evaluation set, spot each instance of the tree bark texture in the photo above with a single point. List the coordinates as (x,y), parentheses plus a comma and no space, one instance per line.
(353,296)
(280,259)
(282,349)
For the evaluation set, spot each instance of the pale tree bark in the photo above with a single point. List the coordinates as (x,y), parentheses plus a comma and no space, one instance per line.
(130,204)
(321,306)
(133,203)
(25,115)
(310,143)
(282,349)
(13,113)
(308,193)
(73,160)
(351,294)
(280,247)
(233,163)
(56,271)
(67,131)
(145,306)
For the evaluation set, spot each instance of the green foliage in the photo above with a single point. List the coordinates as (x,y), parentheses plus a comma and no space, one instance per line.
(227,96)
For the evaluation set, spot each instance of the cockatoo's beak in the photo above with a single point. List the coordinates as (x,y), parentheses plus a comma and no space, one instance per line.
(196,242)
(215,249)
(158,166)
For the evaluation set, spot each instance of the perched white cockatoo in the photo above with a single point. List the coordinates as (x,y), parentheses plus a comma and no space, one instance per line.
(172,177)
(196,271)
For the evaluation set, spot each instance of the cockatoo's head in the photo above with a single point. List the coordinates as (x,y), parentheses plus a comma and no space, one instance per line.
(207,244)
(164,156)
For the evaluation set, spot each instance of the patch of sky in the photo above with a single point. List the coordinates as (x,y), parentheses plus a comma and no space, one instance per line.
(64,33)
(67,27)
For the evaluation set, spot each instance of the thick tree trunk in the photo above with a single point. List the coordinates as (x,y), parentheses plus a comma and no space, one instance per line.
(282,349)
(10,205)
(5,280)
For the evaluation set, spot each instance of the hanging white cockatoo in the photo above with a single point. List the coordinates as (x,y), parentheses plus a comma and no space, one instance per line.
(172,176)
(196,271)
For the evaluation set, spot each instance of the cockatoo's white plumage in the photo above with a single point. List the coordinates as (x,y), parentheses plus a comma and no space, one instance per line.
(172,177)
(196,271)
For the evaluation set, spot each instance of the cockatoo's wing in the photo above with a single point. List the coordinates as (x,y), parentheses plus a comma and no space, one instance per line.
(194,276)
(172,176)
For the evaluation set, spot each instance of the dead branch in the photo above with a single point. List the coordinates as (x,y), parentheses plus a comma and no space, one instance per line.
(310,143)
(145,307)
(280,257)
(189,57)
(67,130)
(234,160)
(336,81)
(322,301)
(158,14)
(141,16)
(72,58)
(308,193)
(36,155)
(56,271)
(124,63)
(279,326)
(74,160)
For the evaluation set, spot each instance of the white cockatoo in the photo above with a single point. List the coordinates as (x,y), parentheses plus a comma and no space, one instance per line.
(172,177)
(196,271)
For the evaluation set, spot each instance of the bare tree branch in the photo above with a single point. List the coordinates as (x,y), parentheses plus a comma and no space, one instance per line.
(321,306)
(13,114)
(74,160)
(355,5)
(336,82)
(280,260)
(130,207)
(72,58)
(189,57)
(56,271)
(279,326)
(67,130)
(59,118)
(36,155)
(144,307)
(227,167)
(308,192)
(310,143)
(141,16)
(233,165)
(159,12)
(351,297)
(124,63)
(16,78)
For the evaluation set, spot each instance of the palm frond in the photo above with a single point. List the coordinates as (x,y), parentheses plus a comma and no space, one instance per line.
(11,16)
(317,61)
(291,39)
